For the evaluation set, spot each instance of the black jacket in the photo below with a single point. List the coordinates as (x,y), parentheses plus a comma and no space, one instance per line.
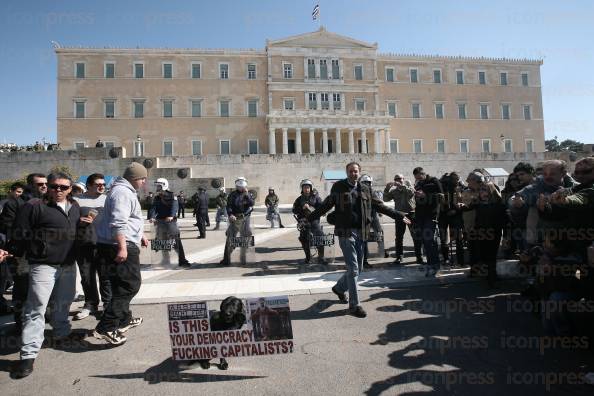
(201,204)
(428,205)
(45,234)
(240,203)
(313,200)
(9,214)
(353,207)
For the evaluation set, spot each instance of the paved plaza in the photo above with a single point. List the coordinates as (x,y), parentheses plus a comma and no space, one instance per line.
(447,335)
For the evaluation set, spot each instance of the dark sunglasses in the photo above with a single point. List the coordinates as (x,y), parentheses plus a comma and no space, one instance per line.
(59,187)
(397,178)
(583,172)
(100,184)
(40,184)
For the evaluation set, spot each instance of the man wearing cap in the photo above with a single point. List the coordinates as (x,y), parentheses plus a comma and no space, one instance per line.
(119,238)
(271,203)
(240,204)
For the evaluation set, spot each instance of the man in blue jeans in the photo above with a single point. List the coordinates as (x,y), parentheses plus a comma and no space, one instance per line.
(44,233)
(428,193)
(352,202)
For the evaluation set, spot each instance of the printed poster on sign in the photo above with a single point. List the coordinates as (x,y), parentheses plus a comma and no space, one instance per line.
(246,327)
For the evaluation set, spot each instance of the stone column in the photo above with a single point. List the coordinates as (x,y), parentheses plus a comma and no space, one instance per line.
(312,141)
(285,141)
(351,140)
(338,143)
(363,141)
(388,148)
(271,141)
(298,140)
(325,140)
(377,143)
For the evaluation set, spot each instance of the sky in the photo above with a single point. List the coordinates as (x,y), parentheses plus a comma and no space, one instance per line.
(558,32)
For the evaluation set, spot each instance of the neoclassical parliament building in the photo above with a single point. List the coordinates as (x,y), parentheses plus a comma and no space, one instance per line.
(318,92)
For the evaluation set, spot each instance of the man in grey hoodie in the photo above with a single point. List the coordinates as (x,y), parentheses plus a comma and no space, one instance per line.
(119,237)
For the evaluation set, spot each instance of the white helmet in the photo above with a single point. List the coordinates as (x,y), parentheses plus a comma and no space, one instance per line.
(306,182)
(81,186)
(163,183)
(241,182)
(222,189)
(366,179)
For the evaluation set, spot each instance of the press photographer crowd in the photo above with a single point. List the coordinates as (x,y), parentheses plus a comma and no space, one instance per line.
(543,218)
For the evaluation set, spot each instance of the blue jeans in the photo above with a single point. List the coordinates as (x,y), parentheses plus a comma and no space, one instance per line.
(352,250)
(45,281)
(427,229)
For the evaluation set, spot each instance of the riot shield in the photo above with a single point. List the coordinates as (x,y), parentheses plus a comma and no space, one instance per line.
(241,242)
(375,244)
(322,245)
(163,246)
(272,216)
(222,219)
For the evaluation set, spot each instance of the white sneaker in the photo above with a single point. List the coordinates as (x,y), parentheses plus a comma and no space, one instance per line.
(83,313)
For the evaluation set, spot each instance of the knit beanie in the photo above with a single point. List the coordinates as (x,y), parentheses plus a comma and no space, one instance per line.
(135,171)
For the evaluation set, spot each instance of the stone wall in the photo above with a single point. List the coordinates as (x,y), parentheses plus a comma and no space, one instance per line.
(283,172)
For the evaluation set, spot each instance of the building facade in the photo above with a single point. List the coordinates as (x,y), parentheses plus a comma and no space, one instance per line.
(314,93)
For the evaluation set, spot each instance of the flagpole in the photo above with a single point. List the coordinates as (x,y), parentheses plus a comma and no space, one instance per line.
(320,15)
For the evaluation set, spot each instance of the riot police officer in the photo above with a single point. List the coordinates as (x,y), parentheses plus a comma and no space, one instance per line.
(164,211)
(240,204)
(306,203)
(375,222)
(271,203)
(201,212)
(221,202)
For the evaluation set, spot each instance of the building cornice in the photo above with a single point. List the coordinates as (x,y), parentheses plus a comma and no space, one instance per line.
(158,51)
(452,58)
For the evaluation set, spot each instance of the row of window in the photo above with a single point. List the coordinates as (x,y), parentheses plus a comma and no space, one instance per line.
(138,108)
(167,71)
(315,101)
(253,146)
(316,69)
(439,110)
(481,77)
(463,145)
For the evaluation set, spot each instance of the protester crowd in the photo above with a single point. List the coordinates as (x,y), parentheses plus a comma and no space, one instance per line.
(543,217)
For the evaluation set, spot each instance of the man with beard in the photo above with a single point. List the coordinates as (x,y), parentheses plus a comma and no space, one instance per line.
(353,202)
(164,212)
(306,203)
(524,203)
